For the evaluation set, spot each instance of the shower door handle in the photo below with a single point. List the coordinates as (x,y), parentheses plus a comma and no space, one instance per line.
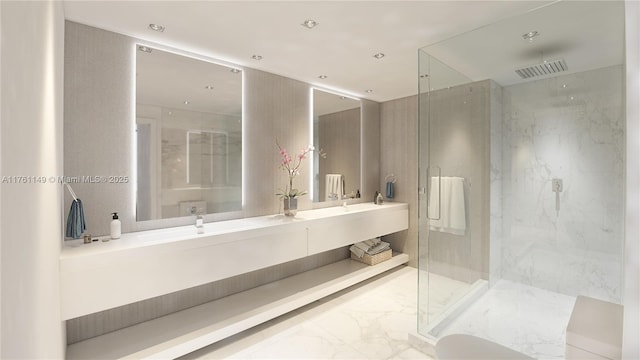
(429,188)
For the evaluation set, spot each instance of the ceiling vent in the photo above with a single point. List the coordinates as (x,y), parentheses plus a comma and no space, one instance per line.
(542,69)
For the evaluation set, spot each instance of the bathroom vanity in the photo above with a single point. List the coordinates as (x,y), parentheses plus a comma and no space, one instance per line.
(142,265)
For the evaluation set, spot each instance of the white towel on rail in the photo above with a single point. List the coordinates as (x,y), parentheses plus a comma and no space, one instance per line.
(333,187)
(446,209)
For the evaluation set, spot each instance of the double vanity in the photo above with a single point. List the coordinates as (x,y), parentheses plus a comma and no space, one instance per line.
(142,265)
(167,151)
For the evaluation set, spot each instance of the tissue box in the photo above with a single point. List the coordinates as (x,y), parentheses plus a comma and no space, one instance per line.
(373,259)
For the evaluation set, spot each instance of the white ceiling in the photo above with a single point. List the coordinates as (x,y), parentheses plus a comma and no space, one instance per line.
(341,46)
(586,34)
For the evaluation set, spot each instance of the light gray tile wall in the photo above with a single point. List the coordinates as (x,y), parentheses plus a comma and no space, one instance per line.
(371,148)
(399,156)
(275,107)
(98,122)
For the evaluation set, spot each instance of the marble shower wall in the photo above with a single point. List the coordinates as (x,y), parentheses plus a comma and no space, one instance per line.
(572,128)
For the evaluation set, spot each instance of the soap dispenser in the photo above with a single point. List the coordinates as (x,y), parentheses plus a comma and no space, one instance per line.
(115,226)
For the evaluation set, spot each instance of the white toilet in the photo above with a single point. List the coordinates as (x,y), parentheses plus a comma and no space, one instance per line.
(468,347)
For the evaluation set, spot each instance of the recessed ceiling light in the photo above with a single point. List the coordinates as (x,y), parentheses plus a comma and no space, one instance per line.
(144,48)
(209,87)
(187,102)
(256,57)
(378,55)
(310,24)
(369,91)
(235,71)
(322,76)
(530,35)
(156,27)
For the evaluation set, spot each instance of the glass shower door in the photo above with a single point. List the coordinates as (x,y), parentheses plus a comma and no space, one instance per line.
(454,188)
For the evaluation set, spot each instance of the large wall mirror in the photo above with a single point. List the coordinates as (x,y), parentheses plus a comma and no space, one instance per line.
(336,130)
(189,136)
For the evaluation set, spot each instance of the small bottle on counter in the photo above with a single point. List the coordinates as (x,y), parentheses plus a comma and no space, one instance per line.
(379,199)
(115,227)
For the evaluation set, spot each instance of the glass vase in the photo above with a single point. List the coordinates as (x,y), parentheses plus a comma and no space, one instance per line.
(290,206)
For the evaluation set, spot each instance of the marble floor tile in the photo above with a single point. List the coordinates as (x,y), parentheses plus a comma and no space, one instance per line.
(371,320)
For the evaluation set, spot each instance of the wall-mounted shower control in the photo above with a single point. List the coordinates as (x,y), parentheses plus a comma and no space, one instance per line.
(556,185)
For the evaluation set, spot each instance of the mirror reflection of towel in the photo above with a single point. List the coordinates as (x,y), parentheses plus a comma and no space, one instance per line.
(446,209)
(334,187)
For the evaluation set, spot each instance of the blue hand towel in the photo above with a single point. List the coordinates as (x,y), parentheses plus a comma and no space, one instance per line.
(75,221)
(390,190)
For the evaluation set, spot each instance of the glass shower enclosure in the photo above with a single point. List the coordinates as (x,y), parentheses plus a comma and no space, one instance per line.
(521,193)
(454,192)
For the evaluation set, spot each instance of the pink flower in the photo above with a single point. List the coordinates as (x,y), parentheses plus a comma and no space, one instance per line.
(291,167)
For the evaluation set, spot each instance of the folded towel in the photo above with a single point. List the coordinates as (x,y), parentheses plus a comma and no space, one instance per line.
(334,187)
(75,221)
(357,251)
(390,190)
(383,246)
(370,247)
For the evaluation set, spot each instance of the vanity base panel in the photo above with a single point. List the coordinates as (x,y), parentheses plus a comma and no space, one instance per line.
(183,332)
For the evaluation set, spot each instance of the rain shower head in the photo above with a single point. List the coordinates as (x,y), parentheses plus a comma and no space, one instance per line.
(542,69)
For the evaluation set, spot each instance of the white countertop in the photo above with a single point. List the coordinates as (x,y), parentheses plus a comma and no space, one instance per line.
(212,230)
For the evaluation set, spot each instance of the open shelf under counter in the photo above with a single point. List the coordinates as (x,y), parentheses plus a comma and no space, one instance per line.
(188,330)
